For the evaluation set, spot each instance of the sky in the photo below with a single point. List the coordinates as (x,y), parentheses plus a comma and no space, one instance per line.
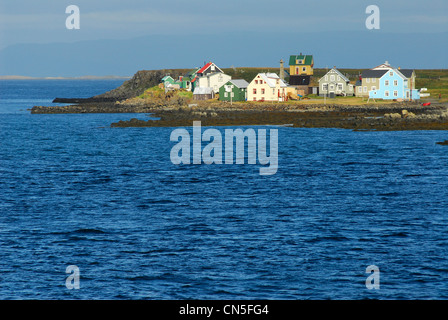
(42,22)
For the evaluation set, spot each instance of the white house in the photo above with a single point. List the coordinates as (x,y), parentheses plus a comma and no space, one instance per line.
(213,80)
(267,87)
(211,76)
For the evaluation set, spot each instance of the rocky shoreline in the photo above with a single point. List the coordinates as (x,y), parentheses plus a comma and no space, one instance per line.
(384,118)
(102,107)
(213,113)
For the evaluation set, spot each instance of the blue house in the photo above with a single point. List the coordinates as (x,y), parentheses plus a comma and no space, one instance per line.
(393,85)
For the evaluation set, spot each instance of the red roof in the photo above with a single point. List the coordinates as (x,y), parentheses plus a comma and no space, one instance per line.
(204,68)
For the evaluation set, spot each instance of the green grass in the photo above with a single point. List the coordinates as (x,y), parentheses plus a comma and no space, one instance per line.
(153,92)
(185,94)
(436,81)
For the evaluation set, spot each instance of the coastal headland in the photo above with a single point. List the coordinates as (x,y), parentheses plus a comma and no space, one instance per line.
(177,109)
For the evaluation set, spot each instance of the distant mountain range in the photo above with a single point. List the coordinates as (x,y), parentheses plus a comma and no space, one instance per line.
(125,57)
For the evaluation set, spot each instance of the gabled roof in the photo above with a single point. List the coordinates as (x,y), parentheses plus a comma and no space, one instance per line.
(381,73)
(208,65)
(308,59)
(373,73)
(386,73)
(384,66)
(240,83)
(204,68)
(271,78)
(407,72)
(166,78)
(338,73)
(399,73)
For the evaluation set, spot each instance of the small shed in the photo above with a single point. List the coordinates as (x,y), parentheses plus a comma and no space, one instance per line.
(203,93)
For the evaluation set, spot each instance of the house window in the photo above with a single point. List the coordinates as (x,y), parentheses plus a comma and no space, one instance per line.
(303,69)
(220,78)
(255,91)
(325,87)
(339,78)
(262,98)
(225,95)
(256,81)
(373,88)
(386,93)
(391,73)
(262,91)
(255,99)
(395,93)
(367,80)
(326,78)
(365,89)
(340,87)
(373,80)
(359,89)
(386,82)
(331,87)
(300,62)
(332,78)
(395,82)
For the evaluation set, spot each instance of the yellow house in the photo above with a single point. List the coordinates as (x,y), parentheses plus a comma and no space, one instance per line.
(267,87)
(301,65)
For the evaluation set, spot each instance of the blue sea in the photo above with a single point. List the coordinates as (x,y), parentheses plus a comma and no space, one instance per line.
(76,192)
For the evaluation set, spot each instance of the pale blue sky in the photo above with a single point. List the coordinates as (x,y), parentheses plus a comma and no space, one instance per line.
(43,21)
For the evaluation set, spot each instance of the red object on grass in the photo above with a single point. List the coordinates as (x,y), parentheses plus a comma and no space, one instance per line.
(426,104)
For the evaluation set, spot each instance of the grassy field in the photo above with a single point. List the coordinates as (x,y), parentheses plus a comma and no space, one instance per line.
(347,101)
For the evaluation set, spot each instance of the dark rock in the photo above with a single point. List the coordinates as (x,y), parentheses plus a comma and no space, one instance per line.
(86,100)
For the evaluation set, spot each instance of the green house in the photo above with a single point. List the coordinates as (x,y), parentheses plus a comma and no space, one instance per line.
(234,90)
(167,79)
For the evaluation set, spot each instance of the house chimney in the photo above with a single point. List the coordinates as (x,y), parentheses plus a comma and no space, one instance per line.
(282,70)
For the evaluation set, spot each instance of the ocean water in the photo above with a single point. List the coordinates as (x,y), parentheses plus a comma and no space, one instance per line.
(75,191)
